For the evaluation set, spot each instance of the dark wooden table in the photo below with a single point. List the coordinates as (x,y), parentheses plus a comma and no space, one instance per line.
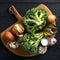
(6,20)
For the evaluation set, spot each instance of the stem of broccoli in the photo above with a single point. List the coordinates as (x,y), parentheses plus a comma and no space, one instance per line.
(31,20)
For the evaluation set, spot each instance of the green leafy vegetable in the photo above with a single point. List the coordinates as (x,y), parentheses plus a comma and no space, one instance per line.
(35,19)
(30,42)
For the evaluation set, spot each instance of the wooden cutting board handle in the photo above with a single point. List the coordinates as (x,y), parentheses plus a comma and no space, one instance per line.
(14,11)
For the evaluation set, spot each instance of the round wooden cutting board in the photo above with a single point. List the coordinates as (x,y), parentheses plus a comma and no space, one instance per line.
(19,51)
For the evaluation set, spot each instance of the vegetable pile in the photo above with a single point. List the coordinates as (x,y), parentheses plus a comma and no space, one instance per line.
(34,35)
(35,19)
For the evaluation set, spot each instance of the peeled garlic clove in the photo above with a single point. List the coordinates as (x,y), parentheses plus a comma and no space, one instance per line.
(44,42)
(53,41)
(13,44)
(42,50)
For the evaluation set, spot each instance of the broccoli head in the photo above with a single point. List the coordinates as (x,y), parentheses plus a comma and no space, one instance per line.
(30,42)
(35,19)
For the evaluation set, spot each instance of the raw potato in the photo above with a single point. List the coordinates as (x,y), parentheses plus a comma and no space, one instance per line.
(51,18)
(9,36)
(17,29)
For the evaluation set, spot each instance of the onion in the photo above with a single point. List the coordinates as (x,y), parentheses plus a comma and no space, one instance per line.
(17,29)
(51,18)
(44,42)
(9,36)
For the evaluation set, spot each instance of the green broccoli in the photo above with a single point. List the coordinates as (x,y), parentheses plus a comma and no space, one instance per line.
(30,42)
(35,19)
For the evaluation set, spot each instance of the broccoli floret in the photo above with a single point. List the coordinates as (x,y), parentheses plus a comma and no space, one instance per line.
(35,19)
(30,42)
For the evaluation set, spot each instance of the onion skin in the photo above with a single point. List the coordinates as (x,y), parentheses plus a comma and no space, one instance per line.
(51,19)
(50,30)
(18,29)
(9,36)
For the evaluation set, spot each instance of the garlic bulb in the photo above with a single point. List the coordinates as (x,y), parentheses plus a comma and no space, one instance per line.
(42,50)
(53,41)
(13,44)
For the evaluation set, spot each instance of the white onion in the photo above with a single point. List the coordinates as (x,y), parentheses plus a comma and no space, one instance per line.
(44,42)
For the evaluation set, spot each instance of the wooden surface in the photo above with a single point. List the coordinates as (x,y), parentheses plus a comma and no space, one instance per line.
(6,20)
